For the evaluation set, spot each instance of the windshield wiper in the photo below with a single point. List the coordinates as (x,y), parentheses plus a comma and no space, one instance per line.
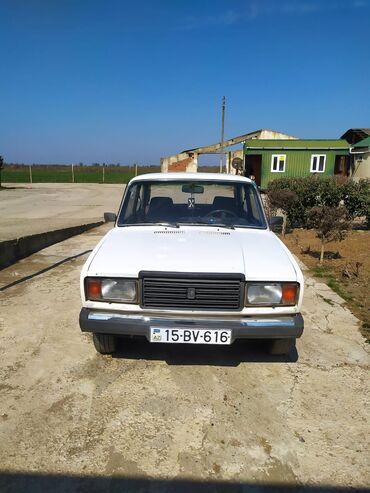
(227,226)
(216,225)
(167,225)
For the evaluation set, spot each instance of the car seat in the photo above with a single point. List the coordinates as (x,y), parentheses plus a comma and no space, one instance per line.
(226,203)
(160,209)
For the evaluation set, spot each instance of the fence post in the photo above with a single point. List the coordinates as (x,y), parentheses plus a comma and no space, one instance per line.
(30,168)
(73,174)
(135,169)
(103,173)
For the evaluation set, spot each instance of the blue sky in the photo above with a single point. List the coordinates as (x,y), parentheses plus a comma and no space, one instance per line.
(124,81)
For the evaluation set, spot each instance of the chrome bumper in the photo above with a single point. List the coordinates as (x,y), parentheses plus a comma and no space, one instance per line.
(266,327)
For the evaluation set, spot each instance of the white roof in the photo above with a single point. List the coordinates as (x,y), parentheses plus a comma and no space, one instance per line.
(191,176)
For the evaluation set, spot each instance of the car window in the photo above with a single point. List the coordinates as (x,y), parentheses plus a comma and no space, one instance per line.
(192,202)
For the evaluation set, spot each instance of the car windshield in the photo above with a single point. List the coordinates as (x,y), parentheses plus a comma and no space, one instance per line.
(175,203)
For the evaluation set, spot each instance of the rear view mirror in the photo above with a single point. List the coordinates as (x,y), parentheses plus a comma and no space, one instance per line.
(192,188)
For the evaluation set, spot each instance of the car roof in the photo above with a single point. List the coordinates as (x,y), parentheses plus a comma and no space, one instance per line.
(191,176)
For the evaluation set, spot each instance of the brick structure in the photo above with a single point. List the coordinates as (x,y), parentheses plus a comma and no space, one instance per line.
(188,160)
(180,165)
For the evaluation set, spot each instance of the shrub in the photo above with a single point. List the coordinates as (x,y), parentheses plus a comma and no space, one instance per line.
(331,190)
(284,200)
(314,191)
(357,199)
(306,190)
(330,223)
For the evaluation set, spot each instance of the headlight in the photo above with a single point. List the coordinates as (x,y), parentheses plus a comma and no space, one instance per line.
(118,290)
(274,293)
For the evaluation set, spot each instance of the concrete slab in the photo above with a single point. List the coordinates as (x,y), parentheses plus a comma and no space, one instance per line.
(13,250)
(28,210)
(150,415)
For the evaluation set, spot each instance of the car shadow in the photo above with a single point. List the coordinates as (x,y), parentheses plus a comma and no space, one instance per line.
(19,482)
(249,351)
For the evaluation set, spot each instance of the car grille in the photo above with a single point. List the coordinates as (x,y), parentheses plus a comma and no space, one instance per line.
(201,292)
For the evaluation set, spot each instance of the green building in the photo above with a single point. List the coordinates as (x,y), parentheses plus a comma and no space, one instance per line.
(266,160)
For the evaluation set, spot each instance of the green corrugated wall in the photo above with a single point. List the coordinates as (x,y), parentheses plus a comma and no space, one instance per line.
(298,162)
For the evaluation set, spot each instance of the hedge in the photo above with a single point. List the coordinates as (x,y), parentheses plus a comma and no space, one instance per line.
(315,191)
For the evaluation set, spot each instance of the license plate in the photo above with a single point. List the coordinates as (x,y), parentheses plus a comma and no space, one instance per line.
(190,336)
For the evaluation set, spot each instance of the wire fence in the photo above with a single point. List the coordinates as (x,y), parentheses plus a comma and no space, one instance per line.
(72,173)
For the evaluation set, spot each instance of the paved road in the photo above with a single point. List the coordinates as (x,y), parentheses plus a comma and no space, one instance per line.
(196,413)
(26,209)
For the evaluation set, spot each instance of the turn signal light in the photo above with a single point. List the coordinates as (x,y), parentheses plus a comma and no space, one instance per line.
(93,289)
(289,293)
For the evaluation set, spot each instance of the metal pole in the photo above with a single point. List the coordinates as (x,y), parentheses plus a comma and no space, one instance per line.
(30,167)
(222,133)
(103,173)
(135,169)
(73,174)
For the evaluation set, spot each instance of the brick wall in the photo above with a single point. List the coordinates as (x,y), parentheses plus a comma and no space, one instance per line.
(180,166)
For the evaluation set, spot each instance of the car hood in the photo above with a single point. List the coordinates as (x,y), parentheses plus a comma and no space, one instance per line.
(258,254)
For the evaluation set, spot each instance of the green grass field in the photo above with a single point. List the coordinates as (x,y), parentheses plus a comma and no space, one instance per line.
(63,174)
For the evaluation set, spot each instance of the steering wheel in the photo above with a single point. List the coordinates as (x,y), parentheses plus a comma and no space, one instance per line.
(222,213)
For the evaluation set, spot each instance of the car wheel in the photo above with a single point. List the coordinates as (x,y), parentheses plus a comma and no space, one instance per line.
(105,343)
(281,346)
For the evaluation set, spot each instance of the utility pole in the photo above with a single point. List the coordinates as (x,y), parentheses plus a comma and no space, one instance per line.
(222,133)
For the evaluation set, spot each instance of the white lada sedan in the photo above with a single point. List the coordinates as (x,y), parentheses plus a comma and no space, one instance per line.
(191,260)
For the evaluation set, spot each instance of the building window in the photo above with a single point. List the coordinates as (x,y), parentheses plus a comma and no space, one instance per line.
(278,163)
(318,162)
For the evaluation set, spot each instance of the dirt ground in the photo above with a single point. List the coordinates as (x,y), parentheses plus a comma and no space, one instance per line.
(148,417)
(31,209)
(346,268)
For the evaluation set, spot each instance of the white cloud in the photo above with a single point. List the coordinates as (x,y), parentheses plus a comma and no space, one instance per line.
(302,7)
(260,8)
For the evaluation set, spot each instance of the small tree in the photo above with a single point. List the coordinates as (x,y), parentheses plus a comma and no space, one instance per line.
(284,200)
(330,223)
(1,167)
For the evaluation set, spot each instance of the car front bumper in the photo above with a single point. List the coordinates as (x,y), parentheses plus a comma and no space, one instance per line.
(266,327)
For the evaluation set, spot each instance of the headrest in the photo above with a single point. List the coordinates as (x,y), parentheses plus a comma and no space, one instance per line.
(159,202)
(224,202)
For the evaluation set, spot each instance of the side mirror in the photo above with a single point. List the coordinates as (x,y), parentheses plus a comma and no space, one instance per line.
(110,217)
(276,221)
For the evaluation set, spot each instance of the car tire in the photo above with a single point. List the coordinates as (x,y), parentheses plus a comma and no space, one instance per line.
(281,346)
(105,343)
